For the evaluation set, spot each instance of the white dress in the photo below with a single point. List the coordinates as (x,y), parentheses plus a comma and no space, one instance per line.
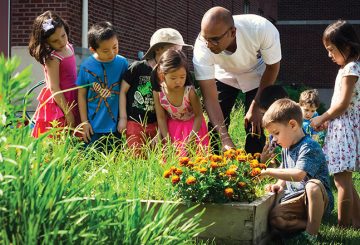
(342,143)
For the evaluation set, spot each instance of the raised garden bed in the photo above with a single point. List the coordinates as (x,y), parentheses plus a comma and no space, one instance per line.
(233,223)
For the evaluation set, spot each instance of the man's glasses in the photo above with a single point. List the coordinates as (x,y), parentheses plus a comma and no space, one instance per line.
(214,40)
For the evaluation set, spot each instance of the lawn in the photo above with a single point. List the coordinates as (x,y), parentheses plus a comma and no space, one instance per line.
(54,191)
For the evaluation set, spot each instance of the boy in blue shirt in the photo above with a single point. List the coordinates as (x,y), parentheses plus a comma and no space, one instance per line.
(303,172)
(101,74)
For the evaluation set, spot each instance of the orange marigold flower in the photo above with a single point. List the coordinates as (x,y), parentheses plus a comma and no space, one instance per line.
(262,165)
(173,169)
(229,192)
(230,154)
(241,184)
(190,164)
(167,173)
(233,166)
(216,158)
(214,165)
(191,180)
(175,179)
(199,159)
(241,158)
(178,171)
(231,172)
(254,163)
(240,152)
(257,155)
(183,161)
(255,171)
(202,170)
(250,157)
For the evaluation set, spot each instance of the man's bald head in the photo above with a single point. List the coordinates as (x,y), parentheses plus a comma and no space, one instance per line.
(215,16)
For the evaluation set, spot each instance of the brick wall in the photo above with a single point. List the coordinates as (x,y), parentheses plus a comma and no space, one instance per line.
(305,60)
(135,20)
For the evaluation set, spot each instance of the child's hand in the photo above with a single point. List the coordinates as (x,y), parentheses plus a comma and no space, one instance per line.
(267,153)
(121,127)
(318,123)
(70,119)
(274,188)
(87,131)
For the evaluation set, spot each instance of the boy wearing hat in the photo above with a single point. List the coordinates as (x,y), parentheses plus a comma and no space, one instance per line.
(137,112)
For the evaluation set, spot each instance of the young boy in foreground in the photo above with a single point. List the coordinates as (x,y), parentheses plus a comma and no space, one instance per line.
(303,171)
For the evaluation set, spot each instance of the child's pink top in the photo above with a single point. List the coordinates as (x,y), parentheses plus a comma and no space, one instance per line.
(67,77)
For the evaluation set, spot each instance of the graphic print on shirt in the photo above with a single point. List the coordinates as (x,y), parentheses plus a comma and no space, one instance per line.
(143,97)
(102,92)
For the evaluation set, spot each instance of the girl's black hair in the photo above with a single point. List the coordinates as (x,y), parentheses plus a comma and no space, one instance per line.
(169,61)
(38,46)
(342,34)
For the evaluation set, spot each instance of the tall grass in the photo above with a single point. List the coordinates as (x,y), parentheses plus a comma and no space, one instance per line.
(53,191)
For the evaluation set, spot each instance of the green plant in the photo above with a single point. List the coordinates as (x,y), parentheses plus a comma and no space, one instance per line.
(231,177)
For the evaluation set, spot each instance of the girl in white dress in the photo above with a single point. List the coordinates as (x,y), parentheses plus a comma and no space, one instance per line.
(342,143)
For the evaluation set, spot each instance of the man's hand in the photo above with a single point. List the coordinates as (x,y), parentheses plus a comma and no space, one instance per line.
(267,153)
(253,117)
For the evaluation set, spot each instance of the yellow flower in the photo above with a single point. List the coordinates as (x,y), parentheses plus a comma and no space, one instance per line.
(167,174)
(257,155)
(241,158)
(202,170)
(255,171)
(240,152)
(214,165)
(178,171)
(229,192)
(231,172)
(215,158)
(184,161)
(175,179)
(241,184)
(191,180)
(254,163)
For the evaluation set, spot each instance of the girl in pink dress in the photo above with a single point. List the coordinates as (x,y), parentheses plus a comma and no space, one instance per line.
(50,47)
(178,108)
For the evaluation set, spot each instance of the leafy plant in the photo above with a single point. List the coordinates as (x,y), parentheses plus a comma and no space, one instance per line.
(230,177)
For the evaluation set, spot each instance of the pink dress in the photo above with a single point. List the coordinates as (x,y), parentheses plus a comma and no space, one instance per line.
(181,120)
(45,115)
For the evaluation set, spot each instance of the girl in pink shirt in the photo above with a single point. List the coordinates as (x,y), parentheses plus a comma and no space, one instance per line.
(50,47)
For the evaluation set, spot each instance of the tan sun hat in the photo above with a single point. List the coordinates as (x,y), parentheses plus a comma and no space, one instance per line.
(161,37)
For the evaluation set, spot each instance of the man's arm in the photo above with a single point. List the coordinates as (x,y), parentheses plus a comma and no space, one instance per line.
(254,115)
(213,109)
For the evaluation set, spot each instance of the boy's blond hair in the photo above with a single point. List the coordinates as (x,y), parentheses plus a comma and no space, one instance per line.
(282,111)
(310,97)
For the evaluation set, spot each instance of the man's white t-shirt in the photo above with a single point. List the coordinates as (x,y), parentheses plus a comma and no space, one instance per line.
(258,43)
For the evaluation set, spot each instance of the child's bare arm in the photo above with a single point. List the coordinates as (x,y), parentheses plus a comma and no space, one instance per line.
(347,89)
(160,116)
(52,66)
(196,105)
(86,126)
(286,174)
(122,101)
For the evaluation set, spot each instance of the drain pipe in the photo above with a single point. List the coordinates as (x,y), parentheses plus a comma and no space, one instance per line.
(85,23)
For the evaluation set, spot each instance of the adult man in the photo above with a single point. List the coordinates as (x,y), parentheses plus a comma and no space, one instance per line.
(234,53)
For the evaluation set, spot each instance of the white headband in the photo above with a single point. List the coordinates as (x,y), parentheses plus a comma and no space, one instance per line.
(47,25)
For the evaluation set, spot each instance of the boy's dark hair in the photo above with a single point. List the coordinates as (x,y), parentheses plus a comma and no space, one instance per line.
(169,61)
(99,32)
(282,111)
(342,34)
(310,97)
(38,46)
(271,94)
